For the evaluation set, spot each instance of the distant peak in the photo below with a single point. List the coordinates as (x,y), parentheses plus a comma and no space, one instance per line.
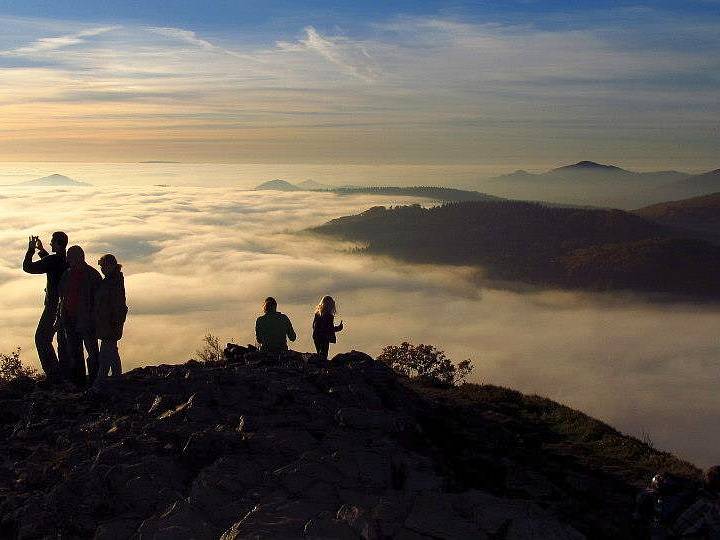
(589,165)
(53,180)
(277,185)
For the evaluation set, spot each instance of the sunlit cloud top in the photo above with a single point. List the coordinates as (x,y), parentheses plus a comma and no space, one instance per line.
(413,84)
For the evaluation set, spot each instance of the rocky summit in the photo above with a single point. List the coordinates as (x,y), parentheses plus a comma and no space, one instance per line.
(254,447)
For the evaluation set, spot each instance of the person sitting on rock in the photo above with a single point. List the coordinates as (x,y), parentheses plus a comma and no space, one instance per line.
(324,326)
(702,518)
(110,313)
(76,316)
(272,329)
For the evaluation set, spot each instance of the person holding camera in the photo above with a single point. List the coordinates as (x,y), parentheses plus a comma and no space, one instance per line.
(54,265)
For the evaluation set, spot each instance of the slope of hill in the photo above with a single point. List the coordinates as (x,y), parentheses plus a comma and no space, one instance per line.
(278,185)
(691,186)
(532,243)
(584,183)
(589,166)
(54,180)
(698,214)
(301,449)
(312,185)
(429,192)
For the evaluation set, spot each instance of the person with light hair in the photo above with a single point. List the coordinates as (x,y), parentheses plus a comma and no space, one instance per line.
(110,314)
(324,328)
(273,329)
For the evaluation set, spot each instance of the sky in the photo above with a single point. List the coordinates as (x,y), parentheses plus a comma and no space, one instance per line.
(493,84)
(201,259)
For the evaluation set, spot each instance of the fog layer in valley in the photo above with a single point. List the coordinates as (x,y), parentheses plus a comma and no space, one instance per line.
(202,259)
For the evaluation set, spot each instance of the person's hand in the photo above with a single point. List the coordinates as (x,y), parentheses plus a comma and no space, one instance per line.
(32,242)
(39,244)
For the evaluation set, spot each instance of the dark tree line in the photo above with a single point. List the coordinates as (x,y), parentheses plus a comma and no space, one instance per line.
(540,244)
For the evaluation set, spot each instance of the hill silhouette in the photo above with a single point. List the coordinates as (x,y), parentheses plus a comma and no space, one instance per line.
(541,245)
(296,448)
(700,215)
(589,166)
(430,192)
(312,185)
(278,185)
(691,186)
(53,180)
(586,183)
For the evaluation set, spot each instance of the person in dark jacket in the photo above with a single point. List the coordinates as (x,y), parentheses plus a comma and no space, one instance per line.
(272,329)
(76,316)
(324,326)
(110,313)
(54,265)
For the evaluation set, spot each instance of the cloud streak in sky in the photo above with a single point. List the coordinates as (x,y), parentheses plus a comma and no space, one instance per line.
(48,44)
(410,89)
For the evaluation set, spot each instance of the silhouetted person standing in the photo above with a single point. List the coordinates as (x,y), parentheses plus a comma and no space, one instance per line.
(273,329)
(54,266)
(110,313)
(76,316)
(324,326)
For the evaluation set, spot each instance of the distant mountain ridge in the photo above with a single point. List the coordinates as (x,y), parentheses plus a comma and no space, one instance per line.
(277,185)
(697,214)
(512,241)
(597,184)
(588,166)
(430,192)
(53,180)
(312,185)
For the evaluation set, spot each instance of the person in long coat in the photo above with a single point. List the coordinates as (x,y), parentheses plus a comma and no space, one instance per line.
(75,318)
(110,314)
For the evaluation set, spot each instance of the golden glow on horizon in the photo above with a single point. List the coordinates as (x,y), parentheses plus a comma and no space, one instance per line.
(420,91)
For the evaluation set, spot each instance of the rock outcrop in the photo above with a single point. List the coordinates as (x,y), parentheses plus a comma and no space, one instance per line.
(260,448)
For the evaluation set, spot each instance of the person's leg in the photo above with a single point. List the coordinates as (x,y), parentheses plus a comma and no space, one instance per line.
(103,363)
(91,346)
(322,348)
(44,343)
(115,364)
(63,355)
(75,357)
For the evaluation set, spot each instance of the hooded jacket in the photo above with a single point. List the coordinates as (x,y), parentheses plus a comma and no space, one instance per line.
(110,307)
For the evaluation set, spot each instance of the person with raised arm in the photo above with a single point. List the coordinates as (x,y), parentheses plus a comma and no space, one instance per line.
(54,265)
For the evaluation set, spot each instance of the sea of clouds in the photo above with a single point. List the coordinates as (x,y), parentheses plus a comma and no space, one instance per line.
(201,260)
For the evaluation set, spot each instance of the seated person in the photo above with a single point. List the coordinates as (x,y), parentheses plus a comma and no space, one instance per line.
(272,329)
